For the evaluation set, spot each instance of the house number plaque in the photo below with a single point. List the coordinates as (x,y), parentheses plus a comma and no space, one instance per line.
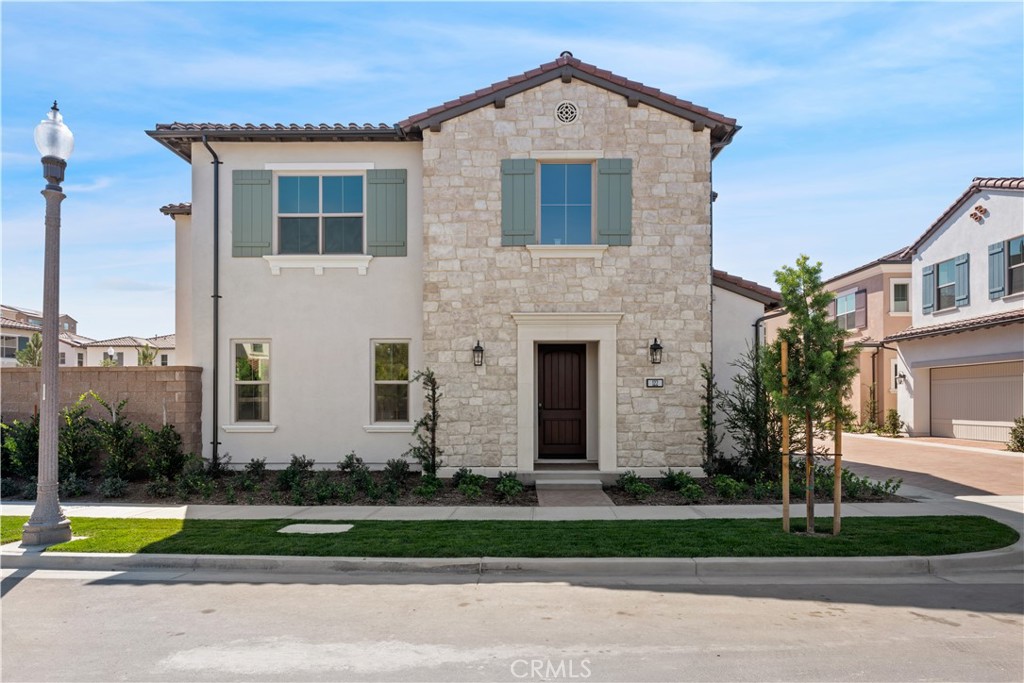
(655,382)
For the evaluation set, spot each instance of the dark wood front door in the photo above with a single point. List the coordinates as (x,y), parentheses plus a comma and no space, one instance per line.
(562,399)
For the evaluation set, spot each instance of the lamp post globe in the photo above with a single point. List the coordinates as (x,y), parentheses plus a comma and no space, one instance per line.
(48,525)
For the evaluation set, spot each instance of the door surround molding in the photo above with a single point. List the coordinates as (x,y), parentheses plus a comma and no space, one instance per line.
(534,328)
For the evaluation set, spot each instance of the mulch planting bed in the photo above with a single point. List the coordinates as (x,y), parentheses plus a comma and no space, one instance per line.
(663,496)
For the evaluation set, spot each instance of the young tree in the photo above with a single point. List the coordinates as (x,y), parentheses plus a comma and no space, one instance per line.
(752,419)
(821,368)
(146,355)
(31,355)
(426,451)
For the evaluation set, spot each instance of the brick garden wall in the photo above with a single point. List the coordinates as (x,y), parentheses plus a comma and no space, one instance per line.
(150,392)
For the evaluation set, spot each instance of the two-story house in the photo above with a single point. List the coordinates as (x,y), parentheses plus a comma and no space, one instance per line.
(542,244)
(17,325)
(871,302)
(961,362)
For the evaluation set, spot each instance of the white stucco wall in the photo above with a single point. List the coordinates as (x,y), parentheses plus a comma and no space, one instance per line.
(732,325)
(319,327)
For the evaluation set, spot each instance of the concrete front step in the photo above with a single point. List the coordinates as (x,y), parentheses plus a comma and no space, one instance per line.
(548,482)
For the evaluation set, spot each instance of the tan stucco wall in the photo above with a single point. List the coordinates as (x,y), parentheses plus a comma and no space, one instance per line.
(661,284)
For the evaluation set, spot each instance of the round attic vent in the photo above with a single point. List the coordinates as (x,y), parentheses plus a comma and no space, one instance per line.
(567,112)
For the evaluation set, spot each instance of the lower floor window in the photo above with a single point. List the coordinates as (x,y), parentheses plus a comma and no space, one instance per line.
(252,381)
(8,347)
(62,358)
(81,360)
(391,381)
(163,359)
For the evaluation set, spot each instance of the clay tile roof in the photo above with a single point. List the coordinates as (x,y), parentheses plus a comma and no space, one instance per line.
(997,320)
(977,185)
(172,210)
(723,127)
(162,341)
(14,324)
(748,288)
(901,255)
(120,342)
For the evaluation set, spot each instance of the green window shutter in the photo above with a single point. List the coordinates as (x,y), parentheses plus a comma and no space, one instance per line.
(962,288)
(615,201)
(252,212)
(996,270)
(387,213)
(928,289)
(518,202)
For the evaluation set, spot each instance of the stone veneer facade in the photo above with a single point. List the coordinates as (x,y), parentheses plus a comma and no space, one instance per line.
(661,284)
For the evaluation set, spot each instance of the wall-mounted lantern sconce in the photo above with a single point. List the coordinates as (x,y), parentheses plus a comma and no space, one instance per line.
(656,349)
(478,354)
(900,378)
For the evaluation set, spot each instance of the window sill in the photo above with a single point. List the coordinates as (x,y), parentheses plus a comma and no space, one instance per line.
(544,251)
(947,311)
(1016,296)
(900,314)
(253,428)
(318,262)
(392,428)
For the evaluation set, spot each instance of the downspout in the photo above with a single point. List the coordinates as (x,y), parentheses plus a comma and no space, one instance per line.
(877,346)
(215,443)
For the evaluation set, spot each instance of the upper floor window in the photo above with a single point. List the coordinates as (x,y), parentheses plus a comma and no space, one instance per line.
(8,347)
(846,315)
(899,295)
(320,214)
(1015,265)
(945,285)
(566,215)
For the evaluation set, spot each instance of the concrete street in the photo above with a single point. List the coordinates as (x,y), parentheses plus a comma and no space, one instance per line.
(145,626)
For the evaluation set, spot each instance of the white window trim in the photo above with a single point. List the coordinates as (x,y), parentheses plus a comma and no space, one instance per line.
(570,157)
(385,426)
(935,295)
(1011,296)
(247,426)
(318,166)
(539,252)
(563,154)
(276,227)
(318,262)
(390,428)
(892,296)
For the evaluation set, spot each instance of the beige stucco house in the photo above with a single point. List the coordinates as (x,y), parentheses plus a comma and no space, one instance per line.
(18,324)
(533,243)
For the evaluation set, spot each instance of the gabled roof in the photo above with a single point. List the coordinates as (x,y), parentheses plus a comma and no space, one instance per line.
(75,339)
(900,256)
(567,68)
(977,185)
(997,320)
(179,137)
(748,288)
(165,341)
(15,325)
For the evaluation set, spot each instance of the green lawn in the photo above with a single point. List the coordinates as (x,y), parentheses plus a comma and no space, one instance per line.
(861,536)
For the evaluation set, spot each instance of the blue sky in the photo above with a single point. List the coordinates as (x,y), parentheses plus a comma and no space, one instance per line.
(861,122)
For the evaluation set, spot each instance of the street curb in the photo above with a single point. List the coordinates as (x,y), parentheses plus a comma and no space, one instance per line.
(1010,558)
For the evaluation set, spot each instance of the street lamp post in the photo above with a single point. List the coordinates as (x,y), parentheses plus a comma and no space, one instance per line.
(48,525)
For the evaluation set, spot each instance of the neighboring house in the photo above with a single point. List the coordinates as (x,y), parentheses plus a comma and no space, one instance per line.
(17,326)
(124,351)
(872,301)
(962,359)
(529,243)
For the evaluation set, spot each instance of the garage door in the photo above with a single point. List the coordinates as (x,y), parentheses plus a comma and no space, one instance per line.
(977,401)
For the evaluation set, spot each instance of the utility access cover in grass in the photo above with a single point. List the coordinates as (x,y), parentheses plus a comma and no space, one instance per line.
(315,529)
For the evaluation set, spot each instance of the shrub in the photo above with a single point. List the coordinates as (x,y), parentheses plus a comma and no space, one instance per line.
(164,454)
(118,438)
(160,487)
(631,483)
(675,481)
(464,475)
(292,477)
(323,488)
(763,489)
(72,486)
(396,471)
(256,470)
(470,490)
(727,487)
(21,447)
(1016,442)
(9,488)
(893,424)
(692,492)
(351,464)
(113,487)
(710,439)
(509,487)
(194,481)
(429,486)
(78,442)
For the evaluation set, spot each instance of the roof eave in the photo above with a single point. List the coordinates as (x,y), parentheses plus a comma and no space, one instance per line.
(180,141)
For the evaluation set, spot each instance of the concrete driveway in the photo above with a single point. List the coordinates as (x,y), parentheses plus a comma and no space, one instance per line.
(954,467)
